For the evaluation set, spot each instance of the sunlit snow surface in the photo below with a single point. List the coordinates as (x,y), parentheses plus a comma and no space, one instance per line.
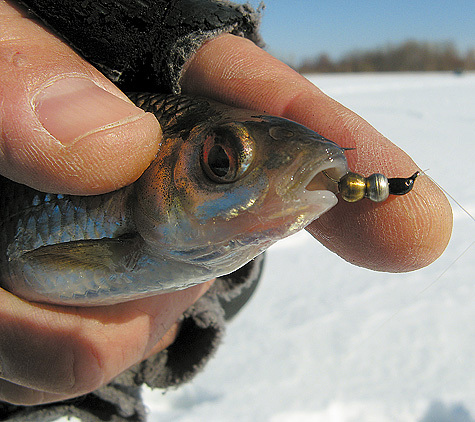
(325,341)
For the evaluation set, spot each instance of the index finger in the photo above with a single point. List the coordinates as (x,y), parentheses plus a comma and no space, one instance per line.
(401,234)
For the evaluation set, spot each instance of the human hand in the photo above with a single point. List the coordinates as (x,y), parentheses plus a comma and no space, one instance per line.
(50,353)
(401,234)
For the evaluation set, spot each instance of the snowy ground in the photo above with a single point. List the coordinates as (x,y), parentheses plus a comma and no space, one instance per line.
(324,341)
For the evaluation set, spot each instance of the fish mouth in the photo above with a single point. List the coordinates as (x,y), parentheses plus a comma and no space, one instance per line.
(313,177)
(326,177)
(307,191)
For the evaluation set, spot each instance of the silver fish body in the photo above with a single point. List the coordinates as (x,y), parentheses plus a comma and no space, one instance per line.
(225,185)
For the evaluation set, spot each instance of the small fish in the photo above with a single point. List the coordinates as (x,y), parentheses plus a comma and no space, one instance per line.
(225,185)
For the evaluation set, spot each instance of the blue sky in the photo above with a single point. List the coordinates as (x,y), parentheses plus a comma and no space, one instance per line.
(305,28)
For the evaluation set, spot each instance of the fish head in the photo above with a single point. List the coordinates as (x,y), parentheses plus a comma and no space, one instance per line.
(234,186)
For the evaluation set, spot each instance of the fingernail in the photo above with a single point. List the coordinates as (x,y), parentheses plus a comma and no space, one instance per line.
(71,108)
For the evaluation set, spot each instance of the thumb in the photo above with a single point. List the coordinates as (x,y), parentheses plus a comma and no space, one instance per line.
(64,127)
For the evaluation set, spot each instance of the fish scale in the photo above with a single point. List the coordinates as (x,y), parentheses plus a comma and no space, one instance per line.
(47,219)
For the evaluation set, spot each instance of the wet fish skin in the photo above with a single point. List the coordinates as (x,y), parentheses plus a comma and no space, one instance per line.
(225,185)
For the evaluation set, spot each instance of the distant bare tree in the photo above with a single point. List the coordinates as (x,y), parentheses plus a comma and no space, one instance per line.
(470,60)
(408,56)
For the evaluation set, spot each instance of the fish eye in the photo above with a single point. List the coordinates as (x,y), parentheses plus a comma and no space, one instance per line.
(219,161)
(226,155)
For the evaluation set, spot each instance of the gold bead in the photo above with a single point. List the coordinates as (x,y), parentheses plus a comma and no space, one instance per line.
(352,187)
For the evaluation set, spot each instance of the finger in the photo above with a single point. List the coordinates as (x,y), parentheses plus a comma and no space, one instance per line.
(64,127)
(400,234)
(66,352)
(18,394)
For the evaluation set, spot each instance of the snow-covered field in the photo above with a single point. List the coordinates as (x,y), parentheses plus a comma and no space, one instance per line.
(324,341)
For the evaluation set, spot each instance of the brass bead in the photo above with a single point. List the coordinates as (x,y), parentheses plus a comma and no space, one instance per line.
(352,187)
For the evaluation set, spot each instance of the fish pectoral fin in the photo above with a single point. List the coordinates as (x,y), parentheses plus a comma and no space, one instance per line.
(115,255)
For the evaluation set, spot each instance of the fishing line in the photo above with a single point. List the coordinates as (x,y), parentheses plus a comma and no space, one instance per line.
(448,194)
(384,323)
(433,282)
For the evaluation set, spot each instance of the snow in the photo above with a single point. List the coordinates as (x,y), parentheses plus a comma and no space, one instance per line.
(324,341)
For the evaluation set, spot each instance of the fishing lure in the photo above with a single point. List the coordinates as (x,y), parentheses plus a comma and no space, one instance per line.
(376,187)
(225,185)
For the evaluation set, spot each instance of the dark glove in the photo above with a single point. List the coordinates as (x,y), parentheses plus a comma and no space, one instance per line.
(143,45)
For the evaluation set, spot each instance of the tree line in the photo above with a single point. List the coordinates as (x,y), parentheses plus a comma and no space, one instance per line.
(407,56)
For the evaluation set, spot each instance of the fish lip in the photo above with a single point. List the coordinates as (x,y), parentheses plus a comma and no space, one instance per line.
(338,167)
(297,182)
